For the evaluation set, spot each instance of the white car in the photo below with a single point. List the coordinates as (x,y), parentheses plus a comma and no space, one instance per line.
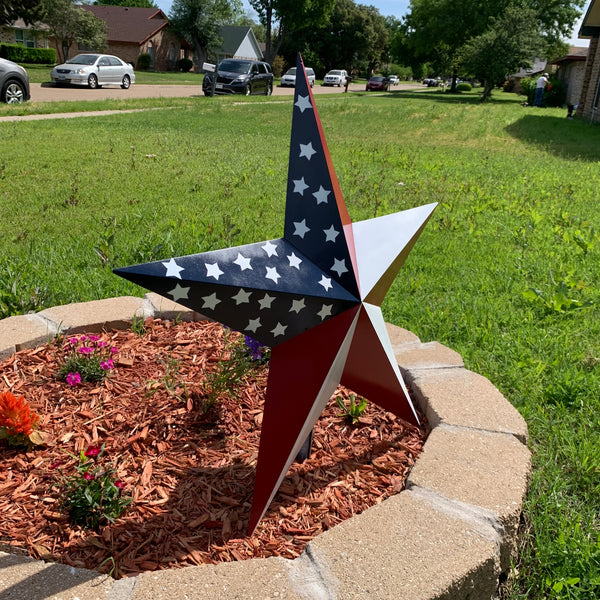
(289,79)
(336,77)
(94,70)
(393,79)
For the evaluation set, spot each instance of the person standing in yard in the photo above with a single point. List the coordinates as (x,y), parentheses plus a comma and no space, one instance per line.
(539,89)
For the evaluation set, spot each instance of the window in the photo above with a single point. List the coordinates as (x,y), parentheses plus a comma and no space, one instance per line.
(151,53)
(25,38)
(114,62)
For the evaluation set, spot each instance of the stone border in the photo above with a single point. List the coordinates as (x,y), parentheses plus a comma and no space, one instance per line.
(448,536)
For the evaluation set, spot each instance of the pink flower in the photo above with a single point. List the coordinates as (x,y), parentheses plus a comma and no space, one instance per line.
(92,451)
(107,364)
(102,344)
(93,338)
(57,464)
(73,378)
(85,350)
(73,341)
(89,477)
(119,484)
(83,338)
(114,350)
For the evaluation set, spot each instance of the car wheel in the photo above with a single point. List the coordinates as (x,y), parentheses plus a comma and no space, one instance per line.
(126,82)
(13,92)
(269,89)
(93,82)
(247,90)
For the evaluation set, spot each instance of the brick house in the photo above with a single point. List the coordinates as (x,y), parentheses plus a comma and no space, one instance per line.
(238,42)
(589,101)
(30,36)
(134,31)
(571,71)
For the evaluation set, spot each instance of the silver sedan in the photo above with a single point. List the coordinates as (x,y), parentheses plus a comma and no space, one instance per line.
(94,70)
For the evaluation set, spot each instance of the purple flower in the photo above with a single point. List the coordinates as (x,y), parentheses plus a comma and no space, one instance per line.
(254,347)
(73,341)
(107,364)
(102,344)
(83,338)
(73,378)
(114,350)
(85,350)
(93,338)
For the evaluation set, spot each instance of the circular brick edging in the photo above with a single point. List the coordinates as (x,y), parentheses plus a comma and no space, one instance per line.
(449,535)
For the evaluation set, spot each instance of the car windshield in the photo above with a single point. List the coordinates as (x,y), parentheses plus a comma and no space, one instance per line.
(335,72)
(291,71)
(234,66)
(83,59)
(377,78)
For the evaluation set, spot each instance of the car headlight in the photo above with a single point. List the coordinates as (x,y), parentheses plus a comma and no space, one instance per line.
(240,79)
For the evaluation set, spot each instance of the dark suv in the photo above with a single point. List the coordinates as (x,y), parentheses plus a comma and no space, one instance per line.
(14,82)
(238,76)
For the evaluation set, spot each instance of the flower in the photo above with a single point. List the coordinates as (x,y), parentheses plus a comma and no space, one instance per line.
(119,484)
(107,364)
(92,451)
(89,476)
(114,350)
(93,338)
(85,350)
(57,464)
(15,415)
(73,378)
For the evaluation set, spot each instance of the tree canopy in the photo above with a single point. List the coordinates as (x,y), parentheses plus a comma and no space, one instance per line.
(488,37)
(199,21)
(28,10)
(128,3)
(70,24)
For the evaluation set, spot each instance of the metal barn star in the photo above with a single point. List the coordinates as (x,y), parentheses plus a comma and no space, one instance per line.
(313,296)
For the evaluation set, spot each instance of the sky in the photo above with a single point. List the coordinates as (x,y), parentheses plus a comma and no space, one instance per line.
(398,8)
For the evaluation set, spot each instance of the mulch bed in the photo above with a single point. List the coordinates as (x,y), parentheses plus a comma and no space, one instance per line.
(190,474)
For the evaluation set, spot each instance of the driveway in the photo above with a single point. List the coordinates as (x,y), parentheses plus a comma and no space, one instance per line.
(45,92)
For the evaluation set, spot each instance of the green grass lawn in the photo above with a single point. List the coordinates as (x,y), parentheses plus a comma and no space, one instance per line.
(506,272)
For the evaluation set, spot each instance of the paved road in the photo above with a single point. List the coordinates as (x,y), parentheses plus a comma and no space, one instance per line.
(45,92)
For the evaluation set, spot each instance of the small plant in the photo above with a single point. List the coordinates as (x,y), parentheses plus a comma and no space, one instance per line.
(93,494)
(18,423)
(355,411)
(238,356)
(137,326)
(88,358)
(560,301)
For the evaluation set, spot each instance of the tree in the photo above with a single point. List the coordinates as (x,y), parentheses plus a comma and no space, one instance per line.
(448,31)
(70,24)
(28,10)
(199,21)
(128,3)
(283,18)
(508,44)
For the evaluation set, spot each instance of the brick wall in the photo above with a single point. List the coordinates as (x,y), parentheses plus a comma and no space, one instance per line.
(590,83)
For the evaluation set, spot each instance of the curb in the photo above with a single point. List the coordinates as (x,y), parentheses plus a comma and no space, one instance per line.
(449,535)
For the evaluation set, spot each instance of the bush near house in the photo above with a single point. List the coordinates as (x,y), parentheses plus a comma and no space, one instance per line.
(184,65)
(555,93)
(464,87)
(144,61)
(31,56)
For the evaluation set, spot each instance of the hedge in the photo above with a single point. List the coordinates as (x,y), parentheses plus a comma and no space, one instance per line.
(30,56)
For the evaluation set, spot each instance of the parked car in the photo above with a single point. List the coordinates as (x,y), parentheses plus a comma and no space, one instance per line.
(336,77)
(378,83)
(393,79)
(94,70)
(240,76)
(289,79)
(14,82)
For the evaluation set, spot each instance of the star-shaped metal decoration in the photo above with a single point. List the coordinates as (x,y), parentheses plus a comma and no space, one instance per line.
(313,296)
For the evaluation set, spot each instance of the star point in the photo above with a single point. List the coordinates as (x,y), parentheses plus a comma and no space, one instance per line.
(339,266)
(270,249)
(272,274)
(212,270)
(242,297)
(242,262)
(325,282)
(300,186)
(180,293)
(321,195)
(211,301)
(295,262)
(303,103)
(301,229)
(331,234)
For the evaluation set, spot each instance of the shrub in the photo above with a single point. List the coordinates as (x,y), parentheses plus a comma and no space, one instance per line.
(278,66)
(555,93)
(463,87)
(184,64)
(32,56)
(144,62)
(508,86)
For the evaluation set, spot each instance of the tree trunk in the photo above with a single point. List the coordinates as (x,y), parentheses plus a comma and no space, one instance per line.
(487,90)
(454,78)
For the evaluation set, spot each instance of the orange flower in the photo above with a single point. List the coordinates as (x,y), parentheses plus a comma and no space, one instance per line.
(16,415)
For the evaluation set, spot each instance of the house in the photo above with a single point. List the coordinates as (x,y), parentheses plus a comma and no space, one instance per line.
(589,101)
(571,71)
(30,36)
(238,42)
(538,67)
(134,31)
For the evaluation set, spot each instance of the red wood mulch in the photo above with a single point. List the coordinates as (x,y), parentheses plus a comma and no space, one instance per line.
(191,475)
